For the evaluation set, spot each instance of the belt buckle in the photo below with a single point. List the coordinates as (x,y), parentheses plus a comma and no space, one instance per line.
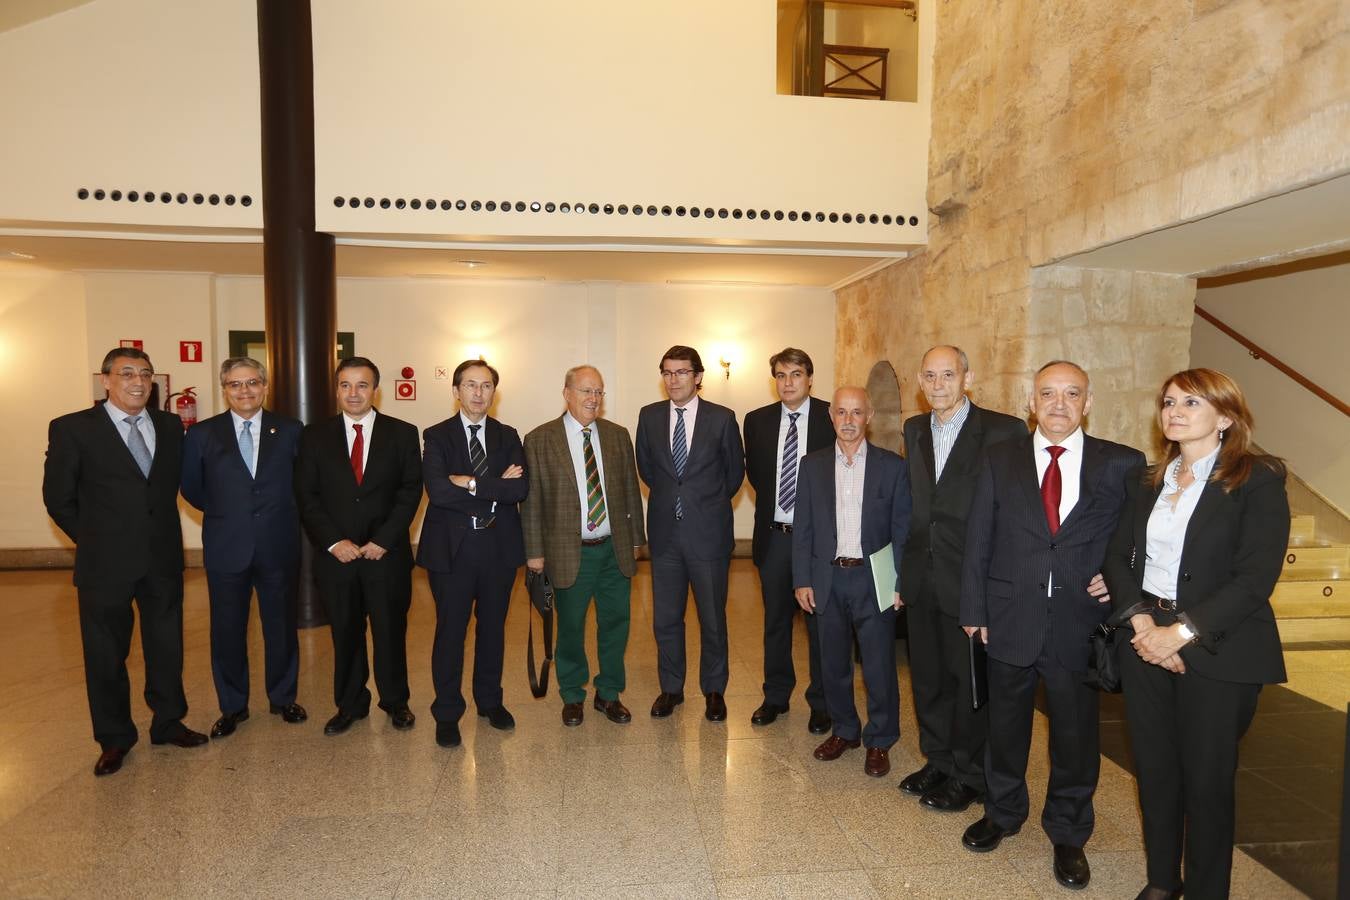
(483,524)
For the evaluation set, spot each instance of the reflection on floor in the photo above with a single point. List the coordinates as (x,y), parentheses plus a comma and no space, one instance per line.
(659,808)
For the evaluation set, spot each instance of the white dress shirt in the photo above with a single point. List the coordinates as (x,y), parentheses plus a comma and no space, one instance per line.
(803,413)
(690,413)
(1070,468)
(1167,526)
(367,423)
(146,427)
(256,429)
(575,443)
(848,501)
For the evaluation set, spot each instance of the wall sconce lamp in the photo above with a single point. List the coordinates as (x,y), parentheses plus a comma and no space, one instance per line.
(726,366)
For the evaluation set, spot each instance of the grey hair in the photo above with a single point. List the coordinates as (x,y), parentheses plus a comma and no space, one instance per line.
(247,362)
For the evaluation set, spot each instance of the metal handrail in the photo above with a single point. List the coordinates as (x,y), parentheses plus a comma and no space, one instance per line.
(1259,353)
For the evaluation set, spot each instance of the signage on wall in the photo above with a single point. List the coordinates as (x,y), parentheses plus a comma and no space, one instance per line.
(442,373)
(131,343)
(189,351)
(405,389)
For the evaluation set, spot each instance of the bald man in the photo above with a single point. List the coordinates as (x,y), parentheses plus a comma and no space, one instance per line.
(852,501)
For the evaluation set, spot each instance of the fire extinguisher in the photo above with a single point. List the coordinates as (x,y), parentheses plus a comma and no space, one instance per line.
(185,406)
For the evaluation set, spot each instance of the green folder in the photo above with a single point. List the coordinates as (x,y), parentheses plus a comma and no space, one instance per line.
(883,577)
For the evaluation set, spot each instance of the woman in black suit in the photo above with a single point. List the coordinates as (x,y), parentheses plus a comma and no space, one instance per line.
(1192,567)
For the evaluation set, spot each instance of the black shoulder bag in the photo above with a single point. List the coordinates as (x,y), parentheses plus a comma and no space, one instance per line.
(540,590)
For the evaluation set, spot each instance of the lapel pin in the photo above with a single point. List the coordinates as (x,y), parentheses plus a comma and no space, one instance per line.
(272,430)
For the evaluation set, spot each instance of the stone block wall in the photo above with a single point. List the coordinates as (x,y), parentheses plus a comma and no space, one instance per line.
(1064,125)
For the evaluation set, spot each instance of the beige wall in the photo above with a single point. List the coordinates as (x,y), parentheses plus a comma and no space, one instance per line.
(1300,317)
(1062,126)
(532,331)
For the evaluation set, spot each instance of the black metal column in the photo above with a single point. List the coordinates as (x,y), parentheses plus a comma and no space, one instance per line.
(299,273)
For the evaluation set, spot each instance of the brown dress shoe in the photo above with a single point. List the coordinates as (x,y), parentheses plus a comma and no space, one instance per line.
(110,760)
(665,704)
(615,711)
(573,713)
(878,762)
(834,747)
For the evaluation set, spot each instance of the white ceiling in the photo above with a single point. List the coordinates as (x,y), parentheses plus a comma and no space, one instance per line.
(243,255)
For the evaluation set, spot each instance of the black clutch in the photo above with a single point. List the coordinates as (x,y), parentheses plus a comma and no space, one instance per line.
(1103,667)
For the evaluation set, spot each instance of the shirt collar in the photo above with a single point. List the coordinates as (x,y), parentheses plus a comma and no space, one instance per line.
(572,426)
(1201,468)
(799,411)
(240,420)
(691,405)
(956,421)
(118,413)
(368,419)
(1071,444)
(861,454)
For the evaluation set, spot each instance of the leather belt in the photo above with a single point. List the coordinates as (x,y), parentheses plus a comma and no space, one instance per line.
(847,562)
(785,527)
(1161,603)
(594,542)
(478,524)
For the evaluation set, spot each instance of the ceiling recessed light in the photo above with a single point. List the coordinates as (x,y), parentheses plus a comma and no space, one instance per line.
(19,254)
(471,263)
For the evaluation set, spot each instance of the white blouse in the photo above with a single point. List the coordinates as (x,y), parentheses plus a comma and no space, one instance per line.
(1167,526)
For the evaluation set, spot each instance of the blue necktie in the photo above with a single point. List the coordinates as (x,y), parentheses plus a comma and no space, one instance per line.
(787,475)
(477,458)
(140,451)
(246,445)
(679,450)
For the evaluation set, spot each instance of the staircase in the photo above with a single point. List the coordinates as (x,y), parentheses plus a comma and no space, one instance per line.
(1312,597)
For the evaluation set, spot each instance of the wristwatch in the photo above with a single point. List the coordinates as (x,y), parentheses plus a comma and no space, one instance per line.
(473,485)
(1185,631)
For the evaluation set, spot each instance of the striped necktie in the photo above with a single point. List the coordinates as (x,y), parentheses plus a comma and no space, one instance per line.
(477,458)
(679,451)
(595,497)
(140,450)
(246,445)
(787,475)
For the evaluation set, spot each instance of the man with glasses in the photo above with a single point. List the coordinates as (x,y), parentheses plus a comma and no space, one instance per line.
(111,484)
(471,546)
(237,469)
(690,455)
(583,524)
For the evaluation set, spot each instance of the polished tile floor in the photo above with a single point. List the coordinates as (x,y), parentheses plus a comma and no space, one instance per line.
(673,808)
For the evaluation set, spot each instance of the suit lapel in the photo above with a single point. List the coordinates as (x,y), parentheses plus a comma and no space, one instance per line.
(968,441)
(337,435)
(267,441)
(1211,501)
(1088,474)
(111,432)
(229,439)
(1024,464)
(927,457)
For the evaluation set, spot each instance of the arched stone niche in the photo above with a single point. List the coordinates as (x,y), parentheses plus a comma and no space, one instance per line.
(884,389)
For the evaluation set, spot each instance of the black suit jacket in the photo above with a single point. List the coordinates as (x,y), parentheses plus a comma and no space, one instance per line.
(815,535)
(761,459)
(380,509)
(1010,551)
(449,507)
(246,518)
(1231,558)
(712,475)
(937,532)
(124,525)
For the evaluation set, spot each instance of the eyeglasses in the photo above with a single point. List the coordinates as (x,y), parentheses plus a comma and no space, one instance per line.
(130,374)
(676,373)
(252,384)
(589,392)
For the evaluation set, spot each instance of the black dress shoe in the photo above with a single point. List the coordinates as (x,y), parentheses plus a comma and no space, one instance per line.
(950,796)
(402,718)
(341,722)
(665,704)
(185,738)
(110,760)
(615,711)
(1071,867)
(291,712)
(1156,893)
(921,782)
(819,722)
(716,709)
(767,713)
(499,718)
(984,835)
(572,714)
(447,734)
(226,724)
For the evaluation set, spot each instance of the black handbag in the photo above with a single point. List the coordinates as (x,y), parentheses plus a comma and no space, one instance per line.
(1103,667)
(540,591)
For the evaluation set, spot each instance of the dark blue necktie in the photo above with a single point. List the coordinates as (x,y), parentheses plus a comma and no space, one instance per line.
(679,450)
(787,475)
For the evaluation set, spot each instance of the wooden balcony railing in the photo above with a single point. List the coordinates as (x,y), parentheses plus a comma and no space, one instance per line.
(860,71)
(1259,353)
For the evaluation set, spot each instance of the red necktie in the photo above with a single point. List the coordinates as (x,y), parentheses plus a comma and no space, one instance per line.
(358,454)
(1051,486)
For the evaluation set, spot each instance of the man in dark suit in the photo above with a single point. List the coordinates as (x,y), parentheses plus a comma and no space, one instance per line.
(777,436)
(690,455)
(852,502)
(237,469)
(583,524)
(944,450)
(358,480)
(111,484)
(471,547)
(1044,509)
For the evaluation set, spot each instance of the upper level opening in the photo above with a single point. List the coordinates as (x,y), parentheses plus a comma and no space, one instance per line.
(859,49)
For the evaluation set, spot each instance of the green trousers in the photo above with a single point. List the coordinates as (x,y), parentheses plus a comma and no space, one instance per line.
(599,577)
